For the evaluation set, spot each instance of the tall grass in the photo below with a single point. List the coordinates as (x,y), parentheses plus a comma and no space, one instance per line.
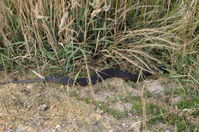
(57,35)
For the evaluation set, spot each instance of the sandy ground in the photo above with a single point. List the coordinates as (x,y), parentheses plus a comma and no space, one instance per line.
(104,107)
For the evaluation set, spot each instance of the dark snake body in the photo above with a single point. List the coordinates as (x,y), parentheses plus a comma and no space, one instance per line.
(98,77)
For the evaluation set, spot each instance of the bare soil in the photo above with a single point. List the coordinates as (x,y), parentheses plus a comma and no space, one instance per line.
(105,107)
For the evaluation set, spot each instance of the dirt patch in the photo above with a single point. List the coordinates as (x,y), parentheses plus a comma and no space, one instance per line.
(113,105)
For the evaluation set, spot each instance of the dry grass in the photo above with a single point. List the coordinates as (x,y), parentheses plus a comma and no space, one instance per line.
(52,34)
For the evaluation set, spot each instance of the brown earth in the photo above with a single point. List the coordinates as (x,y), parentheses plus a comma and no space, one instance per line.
(98,108)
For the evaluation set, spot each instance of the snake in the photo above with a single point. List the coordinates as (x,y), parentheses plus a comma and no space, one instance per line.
(84,81)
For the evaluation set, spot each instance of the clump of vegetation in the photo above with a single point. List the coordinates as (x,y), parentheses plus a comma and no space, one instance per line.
(63,36)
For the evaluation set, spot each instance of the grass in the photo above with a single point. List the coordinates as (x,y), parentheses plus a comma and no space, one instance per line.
(59,37)
(77,37)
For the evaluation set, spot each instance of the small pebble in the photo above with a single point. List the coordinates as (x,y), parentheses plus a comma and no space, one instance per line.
(43,107)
